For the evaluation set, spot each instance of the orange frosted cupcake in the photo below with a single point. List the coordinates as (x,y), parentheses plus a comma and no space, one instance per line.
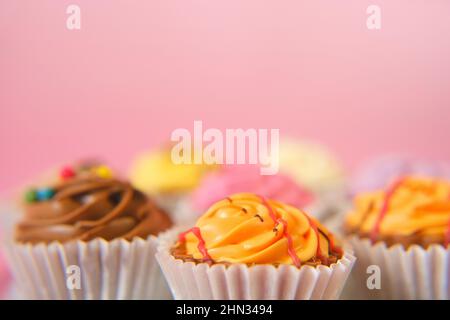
(405,230)
(249,247)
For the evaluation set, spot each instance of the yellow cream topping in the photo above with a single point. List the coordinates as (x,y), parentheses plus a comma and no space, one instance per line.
(154,172)
(411,207)
(246,228)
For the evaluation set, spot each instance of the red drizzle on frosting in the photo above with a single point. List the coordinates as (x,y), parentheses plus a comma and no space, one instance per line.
(267,205)
(291,250)
(316,231)
(333,246)
(387,199)
(201,242)
(447,235)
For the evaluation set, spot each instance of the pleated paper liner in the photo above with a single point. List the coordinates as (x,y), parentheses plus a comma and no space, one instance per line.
(117,269)
(413,273)
(188,280)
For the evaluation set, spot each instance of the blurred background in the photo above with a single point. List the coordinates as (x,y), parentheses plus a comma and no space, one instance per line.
(139,69)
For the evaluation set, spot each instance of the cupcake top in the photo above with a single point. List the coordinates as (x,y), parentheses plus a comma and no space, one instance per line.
(154,172)
(412,210)
(377,173)
(246,228)
(236,179)
(88,203)
(310,164)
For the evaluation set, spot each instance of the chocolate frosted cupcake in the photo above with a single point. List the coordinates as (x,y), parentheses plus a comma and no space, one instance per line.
(88,236)
(405,231)
(248,247)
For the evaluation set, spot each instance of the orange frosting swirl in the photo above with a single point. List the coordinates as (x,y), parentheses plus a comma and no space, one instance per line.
(246,228)
(413,210)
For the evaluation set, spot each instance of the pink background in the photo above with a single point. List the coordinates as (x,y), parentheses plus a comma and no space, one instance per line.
(139,69)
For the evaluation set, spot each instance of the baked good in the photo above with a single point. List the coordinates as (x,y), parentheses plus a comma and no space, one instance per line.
(255,244)
(405,230)
(100,225)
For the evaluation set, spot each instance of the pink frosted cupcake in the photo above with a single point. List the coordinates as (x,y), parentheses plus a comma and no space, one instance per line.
(236,179)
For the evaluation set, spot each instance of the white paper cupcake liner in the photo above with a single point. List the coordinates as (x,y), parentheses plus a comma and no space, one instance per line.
(118,269)
(191,281)
(413,273)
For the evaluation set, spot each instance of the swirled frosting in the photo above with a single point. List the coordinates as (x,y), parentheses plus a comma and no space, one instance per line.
(246,228)
(235,179)
(155,173)
(412,210)
(85,207)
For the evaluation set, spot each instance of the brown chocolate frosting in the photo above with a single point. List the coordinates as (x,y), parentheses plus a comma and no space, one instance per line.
(88,207)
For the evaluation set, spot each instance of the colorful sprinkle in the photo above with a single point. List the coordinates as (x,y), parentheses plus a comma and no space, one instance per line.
(30,196)
(67,173)
(103,172)
(44,194)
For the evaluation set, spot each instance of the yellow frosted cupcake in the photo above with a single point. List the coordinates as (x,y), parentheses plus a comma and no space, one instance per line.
(405,230)
(170,184)
(249,247)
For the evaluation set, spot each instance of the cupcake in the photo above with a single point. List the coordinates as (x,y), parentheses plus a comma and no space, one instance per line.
(314,167)
(168,183)
(249,247)
(88,235)
(404,230)
(379,172)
